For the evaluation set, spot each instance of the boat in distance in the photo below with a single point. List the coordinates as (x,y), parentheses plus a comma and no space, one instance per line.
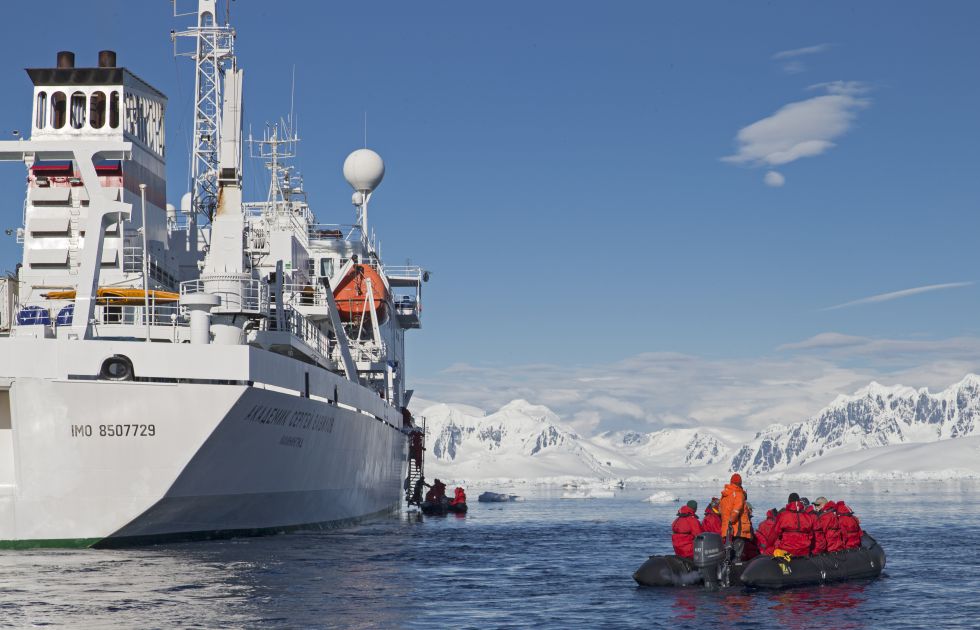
(204,369)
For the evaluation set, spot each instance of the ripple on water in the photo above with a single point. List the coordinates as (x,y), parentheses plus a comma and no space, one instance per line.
(543,563)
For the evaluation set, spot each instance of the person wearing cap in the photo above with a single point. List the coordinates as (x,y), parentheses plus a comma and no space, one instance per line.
(793,532)
(685,528)
(827,537)
(711,522)
(735,523)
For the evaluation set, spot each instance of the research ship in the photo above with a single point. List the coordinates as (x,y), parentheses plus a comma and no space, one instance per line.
(204,369)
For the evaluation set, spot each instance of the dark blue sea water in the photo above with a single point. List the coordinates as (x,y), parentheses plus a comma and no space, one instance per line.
(546,562)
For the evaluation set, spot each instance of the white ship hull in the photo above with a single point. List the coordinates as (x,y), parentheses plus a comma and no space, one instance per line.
(234,445)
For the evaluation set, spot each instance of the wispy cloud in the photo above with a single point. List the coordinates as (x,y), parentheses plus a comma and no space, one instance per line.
(799,52)
(801,129)
(896,295)
(791,59)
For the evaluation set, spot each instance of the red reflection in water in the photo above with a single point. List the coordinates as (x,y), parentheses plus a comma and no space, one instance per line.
(796,608)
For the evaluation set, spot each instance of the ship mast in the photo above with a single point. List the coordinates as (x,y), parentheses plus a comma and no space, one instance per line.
(213,52)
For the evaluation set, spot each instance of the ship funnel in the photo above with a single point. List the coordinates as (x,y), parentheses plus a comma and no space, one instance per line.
(66,59)
(107,59)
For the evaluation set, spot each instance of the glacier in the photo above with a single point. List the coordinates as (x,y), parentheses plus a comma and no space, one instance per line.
(879,432)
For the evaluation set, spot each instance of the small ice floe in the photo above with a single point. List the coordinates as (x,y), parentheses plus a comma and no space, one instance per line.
(662,496)
(593,493)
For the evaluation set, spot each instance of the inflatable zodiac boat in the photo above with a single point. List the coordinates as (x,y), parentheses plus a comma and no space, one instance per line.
(710,568)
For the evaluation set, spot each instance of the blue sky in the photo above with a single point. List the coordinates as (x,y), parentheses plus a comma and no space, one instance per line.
(559,167)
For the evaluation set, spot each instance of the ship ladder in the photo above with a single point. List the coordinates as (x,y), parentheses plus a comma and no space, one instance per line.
(415,481)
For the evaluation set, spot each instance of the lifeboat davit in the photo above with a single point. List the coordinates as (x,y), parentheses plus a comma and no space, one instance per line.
(352,292)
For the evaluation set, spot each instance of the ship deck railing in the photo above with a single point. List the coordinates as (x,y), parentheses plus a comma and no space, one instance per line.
(246,295)
(305,294)
(331,231)
(112,317)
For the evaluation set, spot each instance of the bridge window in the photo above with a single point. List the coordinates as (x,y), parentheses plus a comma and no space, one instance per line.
(114,110)
(96,115)
(59,107)
(42,110)
(326,267)
(78,110)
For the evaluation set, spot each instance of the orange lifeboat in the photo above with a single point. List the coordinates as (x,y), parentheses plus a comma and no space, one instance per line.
(351,293)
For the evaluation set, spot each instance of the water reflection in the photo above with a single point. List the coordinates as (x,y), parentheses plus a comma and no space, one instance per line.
(798,607)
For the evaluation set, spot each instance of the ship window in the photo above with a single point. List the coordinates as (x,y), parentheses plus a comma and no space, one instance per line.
(326,267)
(114,110)
(42,110)
(58,109)
(78,110)
(96,116)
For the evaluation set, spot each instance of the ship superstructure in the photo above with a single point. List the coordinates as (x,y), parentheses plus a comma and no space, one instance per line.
(227,368)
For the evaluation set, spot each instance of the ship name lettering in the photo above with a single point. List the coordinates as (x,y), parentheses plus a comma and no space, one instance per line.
(306,420)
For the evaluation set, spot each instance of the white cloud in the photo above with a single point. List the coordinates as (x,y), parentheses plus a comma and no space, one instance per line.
(774,179)
(802,129)
(806,50)
(653,390)
(895,295)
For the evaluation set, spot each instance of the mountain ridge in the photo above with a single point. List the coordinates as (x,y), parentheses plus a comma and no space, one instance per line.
(525,440)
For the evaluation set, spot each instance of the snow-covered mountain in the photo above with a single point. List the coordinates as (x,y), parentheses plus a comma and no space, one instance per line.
(520,440)
(873,417)
(881,431)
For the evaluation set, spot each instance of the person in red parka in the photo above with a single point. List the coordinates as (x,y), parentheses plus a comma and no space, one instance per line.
(437,492)
(764,533)
(793,532)
(712,518)
(828,538)
(685,528)
(850,526)
(459,497)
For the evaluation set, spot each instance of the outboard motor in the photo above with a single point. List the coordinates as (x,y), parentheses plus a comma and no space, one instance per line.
(709,553)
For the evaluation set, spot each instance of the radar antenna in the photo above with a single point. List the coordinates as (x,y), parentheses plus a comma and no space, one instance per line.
(213,51)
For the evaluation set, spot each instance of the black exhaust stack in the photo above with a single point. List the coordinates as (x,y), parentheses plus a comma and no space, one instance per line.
(107,59)
(66,59)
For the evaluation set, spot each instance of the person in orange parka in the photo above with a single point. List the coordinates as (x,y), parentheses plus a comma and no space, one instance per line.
(459,497)
(734,517)
(764,533)
(684,528)
(711,523)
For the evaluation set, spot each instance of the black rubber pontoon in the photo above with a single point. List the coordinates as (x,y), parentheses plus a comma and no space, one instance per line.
(865,562)
(442,507)
(709,567)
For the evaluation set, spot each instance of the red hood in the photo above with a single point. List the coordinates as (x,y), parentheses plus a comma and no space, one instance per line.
(771,514)
(842,508)
(795,506)
(686,511)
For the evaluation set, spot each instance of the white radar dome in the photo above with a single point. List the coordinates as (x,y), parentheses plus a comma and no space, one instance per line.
(364,169)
